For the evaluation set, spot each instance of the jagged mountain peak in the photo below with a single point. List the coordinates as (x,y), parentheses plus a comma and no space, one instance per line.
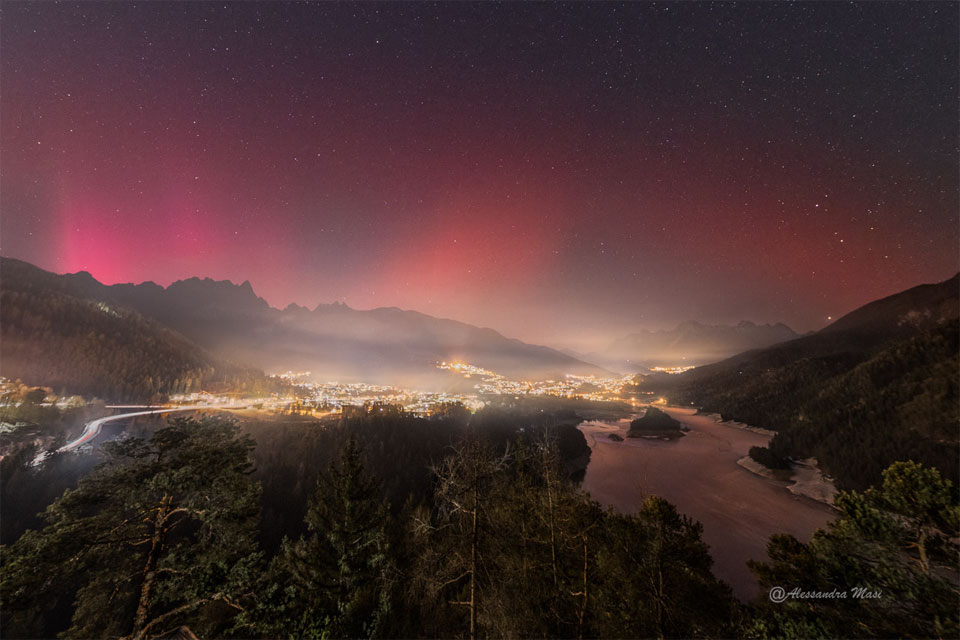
(336,305)
(386,344)
(207,292)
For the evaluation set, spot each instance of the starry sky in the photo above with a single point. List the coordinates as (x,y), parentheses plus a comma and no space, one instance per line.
(563,173)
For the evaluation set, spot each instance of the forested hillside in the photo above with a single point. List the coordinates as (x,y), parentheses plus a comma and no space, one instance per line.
(474,527)
(58,333)
(400,449)
(394,526)
(878,386)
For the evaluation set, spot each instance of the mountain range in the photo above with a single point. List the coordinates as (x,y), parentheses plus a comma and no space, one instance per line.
(64,332)
(878,385)
(223,325)
(690,343)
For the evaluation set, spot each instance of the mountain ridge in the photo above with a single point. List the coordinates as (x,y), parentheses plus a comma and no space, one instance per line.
(384,344)
(60,332)
(878,385)
(693,343)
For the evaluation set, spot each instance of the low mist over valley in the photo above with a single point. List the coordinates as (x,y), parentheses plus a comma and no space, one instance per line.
(690,344)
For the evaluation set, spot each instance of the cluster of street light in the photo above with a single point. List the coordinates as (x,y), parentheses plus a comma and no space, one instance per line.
(333,396)
(323,398)
(671,370)
(570,386)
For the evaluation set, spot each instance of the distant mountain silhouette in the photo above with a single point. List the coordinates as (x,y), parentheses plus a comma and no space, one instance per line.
(692,343)
(878,385)
(858,334)
(68,333)
(333,341)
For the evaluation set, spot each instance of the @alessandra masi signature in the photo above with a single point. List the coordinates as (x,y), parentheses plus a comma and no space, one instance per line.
(779,594)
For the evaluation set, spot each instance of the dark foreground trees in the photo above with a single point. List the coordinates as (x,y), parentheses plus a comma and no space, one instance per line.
(512,548)
(656,579)
(506,547)
(336,581)
(161,534)
(892,551)
(503,544)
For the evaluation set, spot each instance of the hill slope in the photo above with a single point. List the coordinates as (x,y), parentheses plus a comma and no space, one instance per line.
(230,322)
(67,333)
(878,385)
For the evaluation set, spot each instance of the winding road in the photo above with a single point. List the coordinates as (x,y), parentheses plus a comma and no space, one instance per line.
(92,429)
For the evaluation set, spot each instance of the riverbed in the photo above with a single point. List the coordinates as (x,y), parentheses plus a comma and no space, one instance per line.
(699,473)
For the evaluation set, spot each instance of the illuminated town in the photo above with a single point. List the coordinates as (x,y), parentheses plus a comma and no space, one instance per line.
(332,397)
(571,386)
(323,398)
(327,398)
(671,370)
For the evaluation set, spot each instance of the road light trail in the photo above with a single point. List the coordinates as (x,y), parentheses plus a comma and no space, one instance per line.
(92,429)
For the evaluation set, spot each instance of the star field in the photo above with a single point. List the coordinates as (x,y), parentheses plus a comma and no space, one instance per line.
(559,172)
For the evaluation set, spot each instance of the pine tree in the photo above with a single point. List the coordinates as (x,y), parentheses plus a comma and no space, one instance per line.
(896,542)
(655,578)
(457,536)
(161,534)
(338,576)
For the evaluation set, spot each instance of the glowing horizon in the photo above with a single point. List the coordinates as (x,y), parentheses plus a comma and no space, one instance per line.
(627,183)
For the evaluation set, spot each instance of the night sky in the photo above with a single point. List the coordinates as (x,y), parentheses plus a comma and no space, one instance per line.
(563,173)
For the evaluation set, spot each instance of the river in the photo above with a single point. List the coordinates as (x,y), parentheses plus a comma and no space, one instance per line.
(699,473)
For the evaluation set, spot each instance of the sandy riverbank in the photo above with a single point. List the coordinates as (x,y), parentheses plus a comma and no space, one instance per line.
(806,476)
